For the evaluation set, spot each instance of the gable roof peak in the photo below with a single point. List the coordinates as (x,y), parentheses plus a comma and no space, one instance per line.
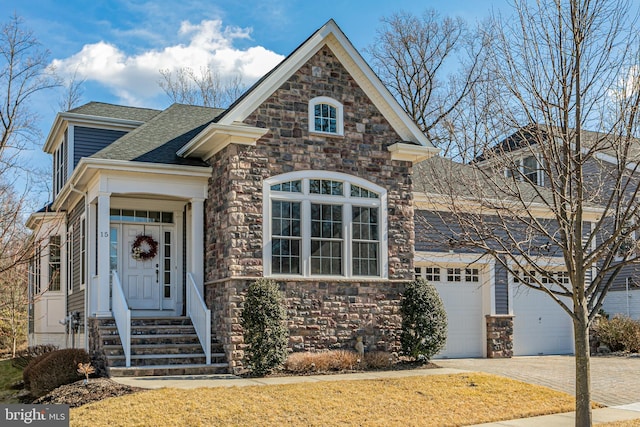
(332,36)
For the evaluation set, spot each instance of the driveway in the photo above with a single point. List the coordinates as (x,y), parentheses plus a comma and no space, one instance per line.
(614,380)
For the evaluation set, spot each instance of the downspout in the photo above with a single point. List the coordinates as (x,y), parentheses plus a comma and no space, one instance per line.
(87,288)
(627,294)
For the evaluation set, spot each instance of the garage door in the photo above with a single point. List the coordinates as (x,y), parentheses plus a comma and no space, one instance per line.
(540,325)
(463,302)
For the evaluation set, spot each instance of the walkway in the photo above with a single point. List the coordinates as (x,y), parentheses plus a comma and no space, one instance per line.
(614,380)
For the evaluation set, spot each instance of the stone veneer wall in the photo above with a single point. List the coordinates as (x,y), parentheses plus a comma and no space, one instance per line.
(233,243)
(326,313)
(499,336)
(98,358)
(321,315)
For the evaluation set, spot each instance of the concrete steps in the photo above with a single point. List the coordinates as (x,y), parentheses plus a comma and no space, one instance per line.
(159,346)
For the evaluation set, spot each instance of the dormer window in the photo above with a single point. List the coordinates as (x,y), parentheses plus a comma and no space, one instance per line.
(527,168)
(325,116)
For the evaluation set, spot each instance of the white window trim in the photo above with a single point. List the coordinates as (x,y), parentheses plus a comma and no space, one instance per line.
(83,256)
(49,264)
(306,199)
(70,255)
(339,115)
(519,161)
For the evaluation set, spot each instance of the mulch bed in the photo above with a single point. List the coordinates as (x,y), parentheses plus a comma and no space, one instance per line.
(78,393)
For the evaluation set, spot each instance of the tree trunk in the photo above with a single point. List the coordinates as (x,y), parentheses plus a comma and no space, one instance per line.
(583,367)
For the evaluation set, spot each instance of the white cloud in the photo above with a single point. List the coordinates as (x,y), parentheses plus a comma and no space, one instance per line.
(133,78)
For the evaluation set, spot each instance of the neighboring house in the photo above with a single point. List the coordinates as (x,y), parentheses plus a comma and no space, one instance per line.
(520,150)
(164,217)
(491,312)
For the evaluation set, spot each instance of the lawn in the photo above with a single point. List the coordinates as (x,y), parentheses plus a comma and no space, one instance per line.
(425,401)
(8,376)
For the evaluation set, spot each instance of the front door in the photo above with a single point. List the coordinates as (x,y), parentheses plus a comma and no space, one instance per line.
(141,279)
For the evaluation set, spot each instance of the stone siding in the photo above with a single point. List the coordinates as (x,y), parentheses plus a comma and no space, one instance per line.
(321,315)
(499,336)
(233,242)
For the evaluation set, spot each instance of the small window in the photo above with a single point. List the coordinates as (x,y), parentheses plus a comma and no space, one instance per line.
(418,272)
(432,274)
(471,275)
(325,186)
(54,263)
(526,169)
(454,275)
(288,187)
(325,116)
(563,277)
(362,192)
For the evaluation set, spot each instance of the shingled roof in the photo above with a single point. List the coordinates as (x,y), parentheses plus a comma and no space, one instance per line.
(101,109)
(158,140)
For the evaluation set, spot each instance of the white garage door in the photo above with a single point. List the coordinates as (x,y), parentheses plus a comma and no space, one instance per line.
(463,303)
(540,325)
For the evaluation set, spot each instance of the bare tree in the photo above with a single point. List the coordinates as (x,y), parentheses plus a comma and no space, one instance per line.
(73,92)
(13,312)
(205,88)
(563,66)
(430,63)
(23,73)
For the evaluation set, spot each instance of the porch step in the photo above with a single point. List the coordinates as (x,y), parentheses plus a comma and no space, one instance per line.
(168,370)
(159,345)
(157,348)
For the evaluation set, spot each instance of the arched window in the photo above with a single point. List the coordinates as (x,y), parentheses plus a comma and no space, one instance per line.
(324,224)
(325,116)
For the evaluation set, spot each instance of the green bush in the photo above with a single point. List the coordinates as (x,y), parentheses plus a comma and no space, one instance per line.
(424,320)
(619,334)
(25,357)
(54,369)
(265,330)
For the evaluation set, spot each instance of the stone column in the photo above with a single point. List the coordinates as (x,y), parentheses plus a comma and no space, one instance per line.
(103,272)
(499,336)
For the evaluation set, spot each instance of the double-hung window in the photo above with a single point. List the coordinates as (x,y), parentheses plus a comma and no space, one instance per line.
(324,224)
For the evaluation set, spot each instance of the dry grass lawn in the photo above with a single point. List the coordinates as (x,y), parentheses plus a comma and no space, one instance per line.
(439,400)
(629,423)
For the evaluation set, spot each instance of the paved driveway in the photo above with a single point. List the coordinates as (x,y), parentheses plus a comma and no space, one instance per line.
(614,380)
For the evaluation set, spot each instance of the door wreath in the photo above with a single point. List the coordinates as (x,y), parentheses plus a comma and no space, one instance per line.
(144,248)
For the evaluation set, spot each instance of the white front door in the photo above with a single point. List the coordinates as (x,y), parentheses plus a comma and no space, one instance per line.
(141,279)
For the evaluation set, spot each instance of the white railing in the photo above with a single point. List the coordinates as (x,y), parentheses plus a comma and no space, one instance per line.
(122,316)
(200,316)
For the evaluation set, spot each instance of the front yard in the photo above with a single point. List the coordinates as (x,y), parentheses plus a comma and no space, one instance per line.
(422,401)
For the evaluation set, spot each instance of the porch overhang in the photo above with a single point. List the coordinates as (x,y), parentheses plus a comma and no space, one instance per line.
(216,136)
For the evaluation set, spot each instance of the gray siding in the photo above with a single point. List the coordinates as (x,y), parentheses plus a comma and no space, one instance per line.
(88,141)
(435,229)
(75,300)
(502,290)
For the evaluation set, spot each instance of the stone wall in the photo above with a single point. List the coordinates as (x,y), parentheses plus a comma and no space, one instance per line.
(233,218)
(499,336)
(321,315)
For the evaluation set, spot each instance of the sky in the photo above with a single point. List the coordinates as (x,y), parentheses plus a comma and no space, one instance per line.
(118,47)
